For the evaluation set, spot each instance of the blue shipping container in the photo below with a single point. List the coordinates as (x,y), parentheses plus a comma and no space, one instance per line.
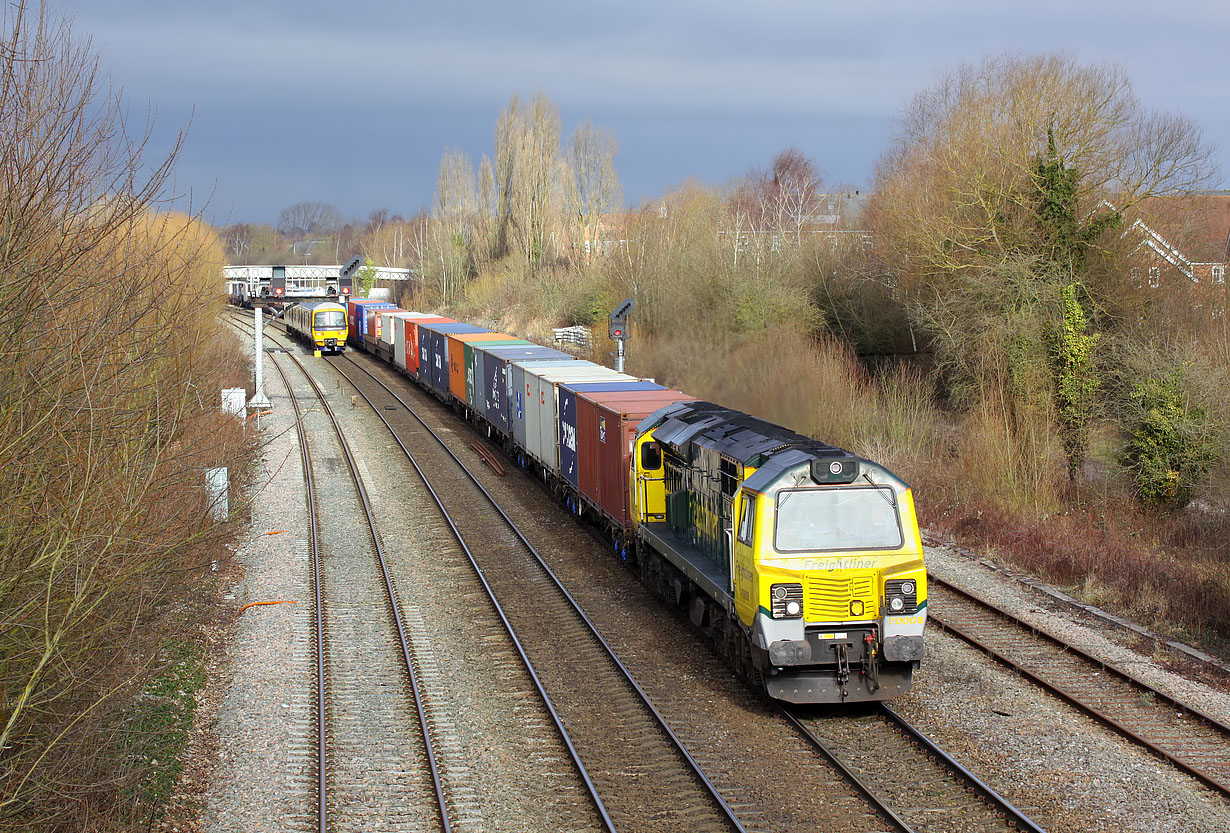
(568,418)
(362,318)
(438,379)
(496,405)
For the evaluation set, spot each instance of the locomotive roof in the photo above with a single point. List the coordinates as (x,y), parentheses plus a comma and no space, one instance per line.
(732,433)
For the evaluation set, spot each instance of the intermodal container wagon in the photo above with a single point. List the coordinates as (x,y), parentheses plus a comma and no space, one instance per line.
(434,337)
(414,359)
(373,339)
(474,369)
(567,418)
(539,383)
(393,331)
(492,366)
(606,434)
(460,375)
(353,309)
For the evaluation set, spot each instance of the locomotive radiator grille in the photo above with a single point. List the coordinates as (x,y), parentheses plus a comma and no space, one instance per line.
(828,598)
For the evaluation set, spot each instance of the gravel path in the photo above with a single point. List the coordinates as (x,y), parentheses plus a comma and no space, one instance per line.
(262,777)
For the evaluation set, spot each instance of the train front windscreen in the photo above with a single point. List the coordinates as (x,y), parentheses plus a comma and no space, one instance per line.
(837,518)
(330,319)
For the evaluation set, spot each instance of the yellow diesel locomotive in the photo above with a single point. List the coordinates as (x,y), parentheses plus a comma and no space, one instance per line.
(323,323)
(803,561)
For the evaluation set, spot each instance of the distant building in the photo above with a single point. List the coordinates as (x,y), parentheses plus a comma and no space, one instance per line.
(1184,245)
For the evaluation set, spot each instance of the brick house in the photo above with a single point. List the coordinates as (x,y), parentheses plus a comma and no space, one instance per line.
(1184,246)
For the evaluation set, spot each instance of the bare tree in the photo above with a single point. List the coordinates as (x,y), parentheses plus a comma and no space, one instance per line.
(781,199)
(958,187)
(238,238)
(594,189)
(392,244)
(97,396)
(305,218)
(504,173)
(453,215)
(528,177)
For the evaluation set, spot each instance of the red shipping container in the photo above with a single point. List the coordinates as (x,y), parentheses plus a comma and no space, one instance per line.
(412,340)
(606,430)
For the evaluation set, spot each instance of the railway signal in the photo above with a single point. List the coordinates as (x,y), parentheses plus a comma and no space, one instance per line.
(345,277)
(619,320)
(277,283)
(618,330)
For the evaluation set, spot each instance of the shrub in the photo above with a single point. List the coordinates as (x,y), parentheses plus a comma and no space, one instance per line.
(1168,449)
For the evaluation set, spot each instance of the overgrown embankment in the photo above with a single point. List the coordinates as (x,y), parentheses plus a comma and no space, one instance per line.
(109,414)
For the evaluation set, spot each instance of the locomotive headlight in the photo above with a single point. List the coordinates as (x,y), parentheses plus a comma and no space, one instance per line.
(901,596)
(786,601)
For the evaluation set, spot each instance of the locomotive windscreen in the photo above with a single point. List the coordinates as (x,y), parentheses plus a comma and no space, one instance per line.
(837,518)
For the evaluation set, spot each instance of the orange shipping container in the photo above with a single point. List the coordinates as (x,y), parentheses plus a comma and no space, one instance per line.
(457,359)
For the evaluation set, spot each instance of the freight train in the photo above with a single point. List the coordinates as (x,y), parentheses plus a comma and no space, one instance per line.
(803,562)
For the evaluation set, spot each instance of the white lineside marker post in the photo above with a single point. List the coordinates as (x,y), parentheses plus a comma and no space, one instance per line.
(233,401)
(259,399)
(216,493)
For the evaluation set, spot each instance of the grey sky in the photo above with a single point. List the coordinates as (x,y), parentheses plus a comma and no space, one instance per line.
(353,102)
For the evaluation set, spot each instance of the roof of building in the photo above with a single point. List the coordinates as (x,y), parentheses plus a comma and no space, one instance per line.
(1198,225)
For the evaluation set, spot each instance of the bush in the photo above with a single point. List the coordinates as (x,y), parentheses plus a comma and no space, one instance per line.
(1168,450)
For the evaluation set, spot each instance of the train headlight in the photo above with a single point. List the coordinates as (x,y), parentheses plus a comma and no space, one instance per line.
(901,596)
(786,601)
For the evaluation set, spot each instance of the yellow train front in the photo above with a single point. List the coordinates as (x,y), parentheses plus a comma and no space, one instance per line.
(323,323)
(803,561)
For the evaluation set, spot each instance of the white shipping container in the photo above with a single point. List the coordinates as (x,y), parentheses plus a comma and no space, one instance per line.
(542,413)
(519,392)
(393,334)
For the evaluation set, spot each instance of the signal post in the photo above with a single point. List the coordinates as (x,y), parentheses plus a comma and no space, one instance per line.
(618,330)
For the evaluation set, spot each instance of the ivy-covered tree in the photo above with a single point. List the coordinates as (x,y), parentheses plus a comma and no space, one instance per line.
(1076,381)
(1061,236)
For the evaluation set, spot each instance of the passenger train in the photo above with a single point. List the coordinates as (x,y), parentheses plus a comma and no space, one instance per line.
(803,562)
(322,323)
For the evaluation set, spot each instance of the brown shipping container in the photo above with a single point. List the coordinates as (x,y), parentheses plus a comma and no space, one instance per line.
(606,429)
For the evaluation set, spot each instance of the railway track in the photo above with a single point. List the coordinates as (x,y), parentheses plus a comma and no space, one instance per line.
(361,731)
(873,746)
(456,778)
(647,780)
(1193,741)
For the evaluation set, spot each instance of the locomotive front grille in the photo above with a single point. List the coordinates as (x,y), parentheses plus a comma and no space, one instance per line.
(827,598)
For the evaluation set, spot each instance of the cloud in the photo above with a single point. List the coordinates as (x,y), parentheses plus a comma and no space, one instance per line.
(285,90)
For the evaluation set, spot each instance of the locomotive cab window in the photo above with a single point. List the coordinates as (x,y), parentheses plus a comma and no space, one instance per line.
(837,518)
(747,515)
(651,456)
